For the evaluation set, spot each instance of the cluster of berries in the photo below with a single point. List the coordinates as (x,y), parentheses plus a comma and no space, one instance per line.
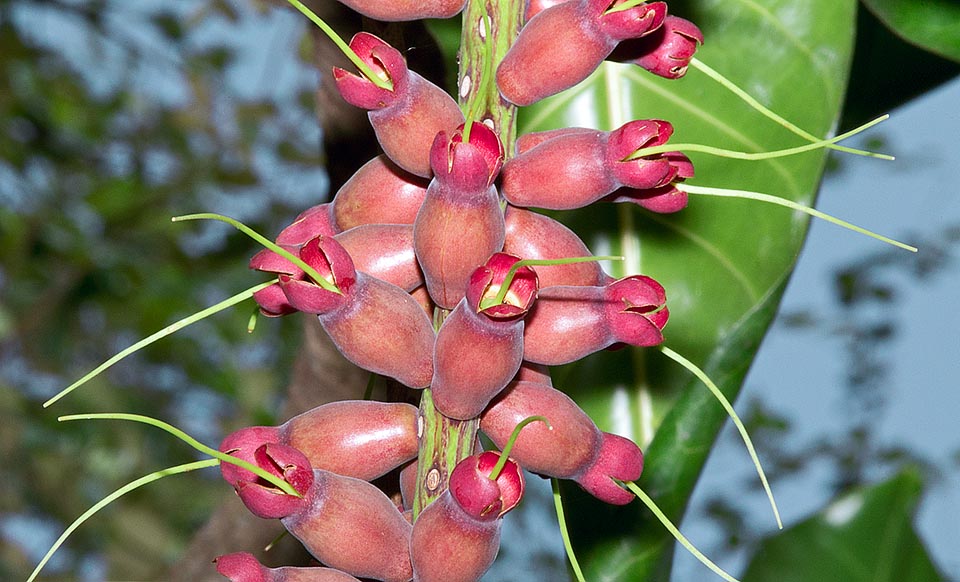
(419,253)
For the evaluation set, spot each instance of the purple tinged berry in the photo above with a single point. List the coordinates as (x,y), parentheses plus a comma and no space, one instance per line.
(384,251)
(563,44)
(406,10)
(406,119)
(564,449)
(460,223)
(244,567)
(379,192)
(569,323)
(479,349)
(456,538)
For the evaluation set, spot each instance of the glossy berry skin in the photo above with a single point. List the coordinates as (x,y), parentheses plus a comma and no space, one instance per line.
(405,119)
(573,168)
(244,567)
(355,438)
(563,44)
(456,538)
(405,10)
(460,223)
(534,236)
(384,251)
(563,451)
(374,324)
(569,323)
(380,192)
(479,349)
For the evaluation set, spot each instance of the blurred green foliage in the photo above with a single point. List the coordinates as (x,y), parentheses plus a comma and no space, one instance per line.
(115,116)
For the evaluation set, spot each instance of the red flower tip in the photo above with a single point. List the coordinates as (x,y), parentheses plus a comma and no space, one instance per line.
(636,310)
(486,281)
(264,499)
(385,61)
(241,567)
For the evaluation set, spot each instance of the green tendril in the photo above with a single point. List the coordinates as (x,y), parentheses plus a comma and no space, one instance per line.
(702,376)
(220,456)
(769,114)
(676,532)
(113,497)
(725,153)
(275,540)
(564,534)
(174,327)
(505,453)
(501,295)
(378,80)
(266,243)
(722,192)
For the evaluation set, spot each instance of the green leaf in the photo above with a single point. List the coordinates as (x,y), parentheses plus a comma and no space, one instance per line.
(930,24)
(866,535)
(724,263)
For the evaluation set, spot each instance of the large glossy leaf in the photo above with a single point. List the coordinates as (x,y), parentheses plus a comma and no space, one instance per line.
(930,24)
(864,536)
(723,262)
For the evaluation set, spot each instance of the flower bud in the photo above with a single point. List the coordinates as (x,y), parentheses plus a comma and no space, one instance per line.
(262,498)
(479,349)
(572,168)
(379,192)
(405,119)
(460,223)
(563,44)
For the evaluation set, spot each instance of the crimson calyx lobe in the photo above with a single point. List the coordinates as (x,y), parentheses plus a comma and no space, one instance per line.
(479,348)
(460,223)
(571,168)
(405,119)
(666,52)
(569,323)
(563,44)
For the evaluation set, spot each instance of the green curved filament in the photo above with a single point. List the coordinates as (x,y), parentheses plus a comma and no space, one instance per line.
(769,114)
(754,156)
(220,456)
(267,243)
(174,327)
(113,497)
(676,532)
(702,376)
(505,453)
(722,192)
(564,534)
(379,81)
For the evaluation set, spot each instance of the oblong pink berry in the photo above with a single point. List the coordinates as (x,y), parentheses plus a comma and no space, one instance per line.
(449,545)
(406,10)
(244,567)
(350,525)
(564,450)
(379,192)
(563,44)
(405,119)
(460,223)
(534,236)
(384,251)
